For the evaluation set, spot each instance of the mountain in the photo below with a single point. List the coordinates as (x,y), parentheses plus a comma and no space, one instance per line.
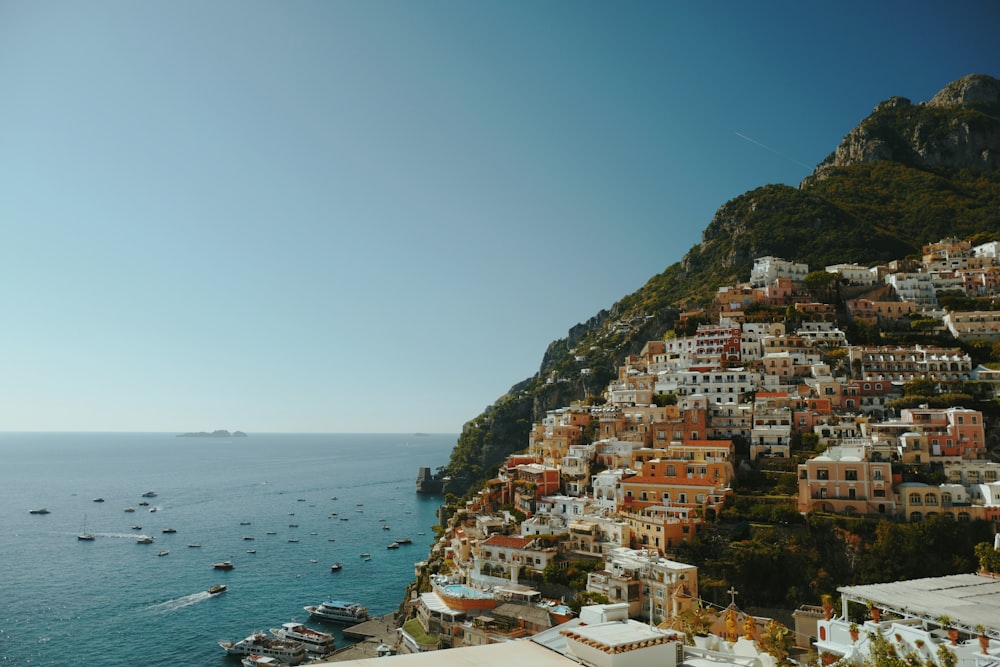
(908,174)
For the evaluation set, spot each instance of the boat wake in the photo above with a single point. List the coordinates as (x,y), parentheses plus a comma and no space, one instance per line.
(179,603)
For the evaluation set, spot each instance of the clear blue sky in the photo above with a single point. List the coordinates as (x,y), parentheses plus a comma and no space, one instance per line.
(374,216)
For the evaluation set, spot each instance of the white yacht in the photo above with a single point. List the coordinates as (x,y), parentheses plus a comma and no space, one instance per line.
(314,640)
(260,644)
(260,661)
(341,612)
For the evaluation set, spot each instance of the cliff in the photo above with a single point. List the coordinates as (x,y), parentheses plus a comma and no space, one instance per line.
(907,175)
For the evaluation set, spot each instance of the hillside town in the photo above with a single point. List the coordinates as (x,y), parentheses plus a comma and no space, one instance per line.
(623,480)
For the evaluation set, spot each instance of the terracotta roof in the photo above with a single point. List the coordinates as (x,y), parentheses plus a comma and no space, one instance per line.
(509,542)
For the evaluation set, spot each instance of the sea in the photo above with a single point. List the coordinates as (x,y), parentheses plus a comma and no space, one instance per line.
(282,507)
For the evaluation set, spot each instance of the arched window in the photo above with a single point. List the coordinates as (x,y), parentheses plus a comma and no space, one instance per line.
(916,517)
(914,498)
(930,499)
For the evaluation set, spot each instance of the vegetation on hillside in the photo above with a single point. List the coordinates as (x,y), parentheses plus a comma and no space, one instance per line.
(865,213)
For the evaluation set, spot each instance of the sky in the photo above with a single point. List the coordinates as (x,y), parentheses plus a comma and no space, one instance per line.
(347,216)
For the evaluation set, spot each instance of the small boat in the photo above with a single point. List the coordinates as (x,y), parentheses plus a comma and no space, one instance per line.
(248,537)
(394,545)
(336,567)
(149,494)
(314,640)
(144,539)
(40,510)
(251,551)
(98,500)
(163,553)
(194,545)
(261,645)
(331,539)
(144,503)
(152,509)
(293,525)
(365,555)
(216,589)
(136,527)
(404,540)
(244,523)
(367,558)
(271,532)
(84,535)
(169,530)
(224,565)
(344,518)
(293,540)
(130,509)
(385,528)
(254,660)
(343,612)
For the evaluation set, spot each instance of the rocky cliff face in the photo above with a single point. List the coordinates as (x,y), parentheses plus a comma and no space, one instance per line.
(958,129)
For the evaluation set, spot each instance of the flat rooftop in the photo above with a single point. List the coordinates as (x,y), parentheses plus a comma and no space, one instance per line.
(968,599)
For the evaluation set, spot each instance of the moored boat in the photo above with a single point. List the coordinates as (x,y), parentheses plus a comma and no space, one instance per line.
(314,640)
(336,567)
(224,565)
(260,644)
(40,510)
(338,611)
(260,661)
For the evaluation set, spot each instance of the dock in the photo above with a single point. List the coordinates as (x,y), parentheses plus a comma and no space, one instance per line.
(369,636)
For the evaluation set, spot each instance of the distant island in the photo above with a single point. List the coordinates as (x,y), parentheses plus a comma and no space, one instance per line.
(214,434)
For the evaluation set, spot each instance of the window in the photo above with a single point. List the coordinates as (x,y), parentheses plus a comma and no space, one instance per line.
(822,473)
(851,475)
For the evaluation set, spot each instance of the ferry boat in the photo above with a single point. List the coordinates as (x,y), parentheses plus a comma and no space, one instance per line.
(341,612)
(258,643)
(314,640)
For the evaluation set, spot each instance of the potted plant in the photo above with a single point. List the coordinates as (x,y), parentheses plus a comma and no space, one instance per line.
(854,632)
(945,621)
(984,641)
(876,612)
(827,602)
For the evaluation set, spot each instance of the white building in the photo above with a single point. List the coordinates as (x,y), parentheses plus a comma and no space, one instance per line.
(768,269)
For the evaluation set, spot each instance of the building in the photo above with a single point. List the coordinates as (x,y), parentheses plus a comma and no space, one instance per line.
(843,480)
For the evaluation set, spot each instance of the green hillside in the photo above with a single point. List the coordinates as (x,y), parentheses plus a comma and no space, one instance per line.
(909,174)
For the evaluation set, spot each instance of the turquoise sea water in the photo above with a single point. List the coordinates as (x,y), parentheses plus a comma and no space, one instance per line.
(114,602)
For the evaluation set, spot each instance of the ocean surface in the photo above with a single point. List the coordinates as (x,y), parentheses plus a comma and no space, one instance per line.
(113,602)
